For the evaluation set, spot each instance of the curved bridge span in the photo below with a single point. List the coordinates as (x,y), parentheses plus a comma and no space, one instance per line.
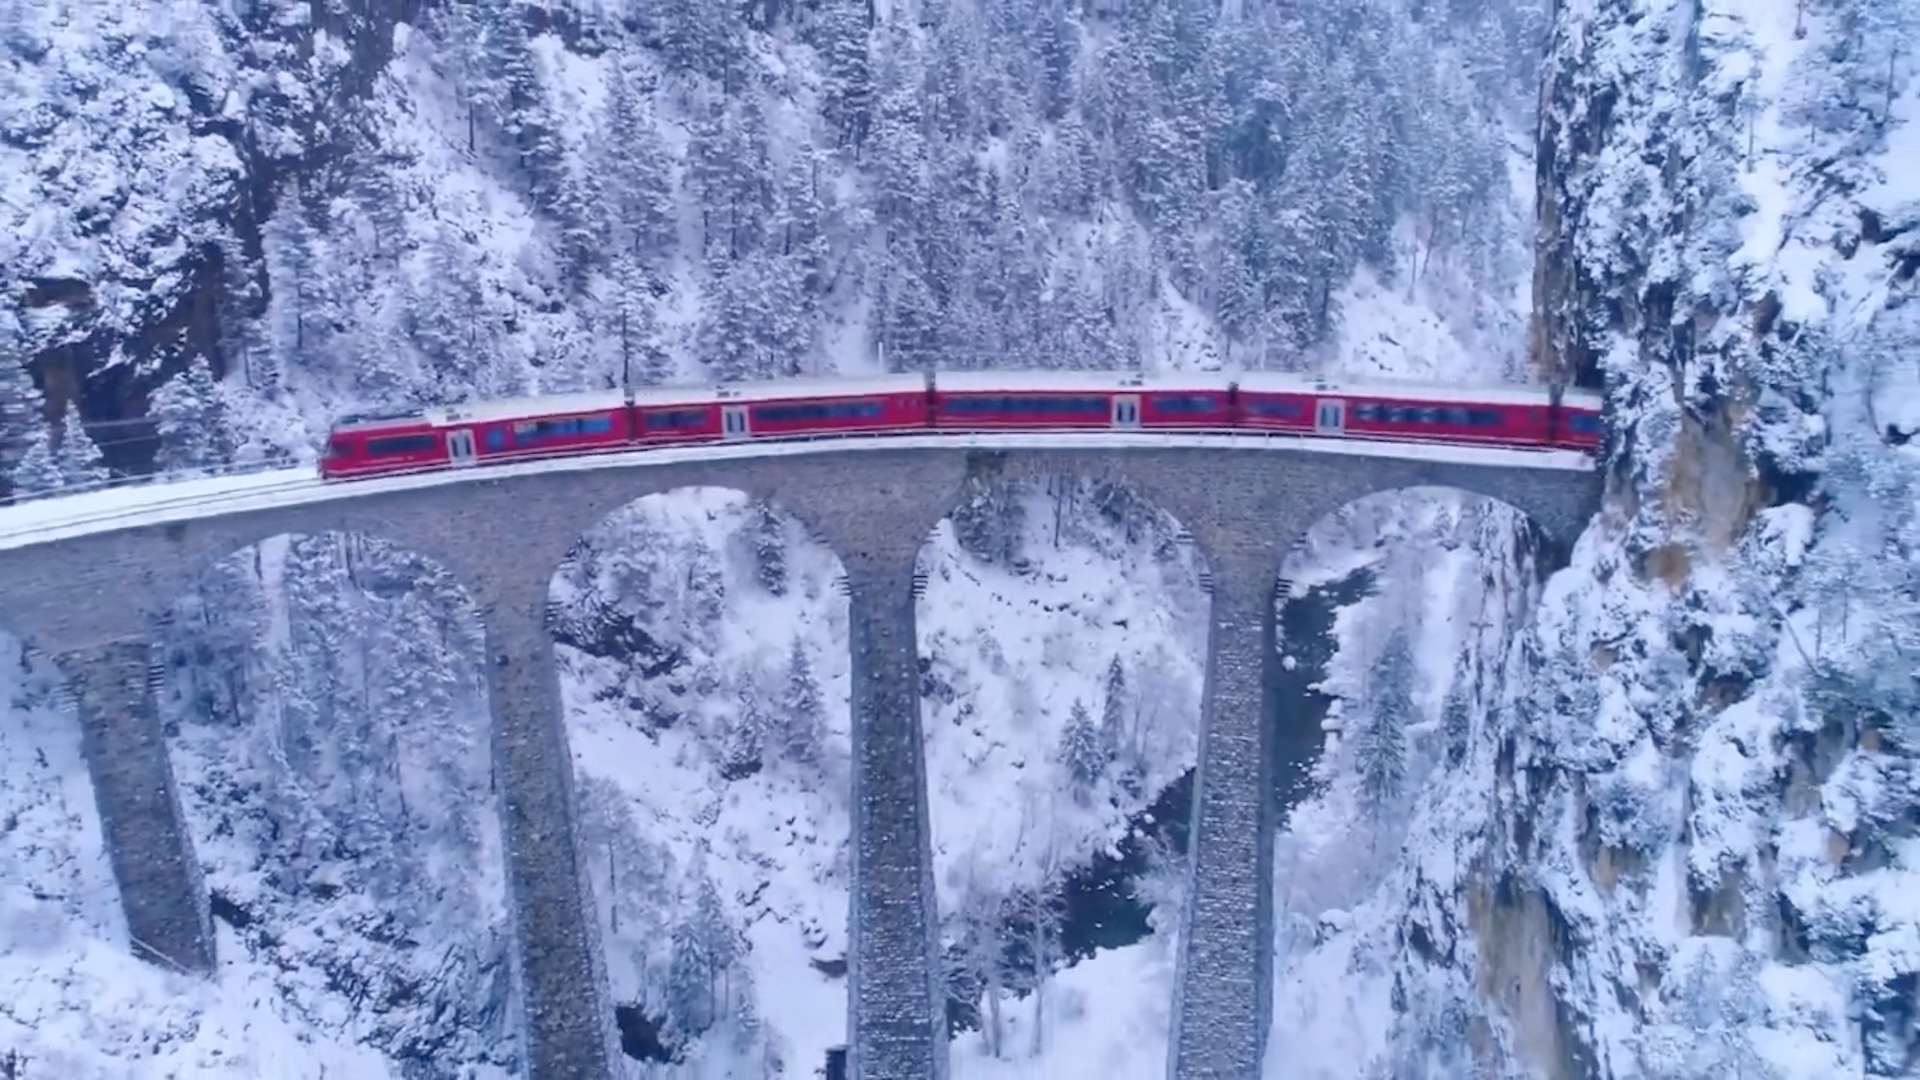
(83,577)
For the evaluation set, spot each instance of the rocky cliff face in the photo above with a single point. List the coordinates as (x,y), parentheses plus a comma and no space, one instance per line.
(1687,782)
(144,149)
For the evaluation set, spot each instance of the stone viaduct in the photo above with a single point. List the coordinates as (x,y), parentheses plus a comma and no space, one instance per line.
(90,603)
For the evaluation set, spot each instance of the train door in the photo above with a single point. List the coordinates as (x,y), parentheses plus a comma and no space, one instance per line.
(1126,410)
(733,422)
(1330,416)
(460,447)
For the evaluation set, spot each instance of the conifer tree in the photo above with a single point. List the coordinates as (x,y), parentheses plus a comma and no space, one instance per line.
(22,409)
(769,549)
(81,463)
(190,412)
(38,470)
(842,43)
(804,717)
(1381,747)
(1081,754)
(1113,709)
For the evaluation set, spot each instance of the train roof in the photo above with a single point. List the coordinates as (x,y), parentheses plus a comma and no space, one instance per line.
(1035,381)
(824,386)
(513,408)
(1484,394)
(965,381)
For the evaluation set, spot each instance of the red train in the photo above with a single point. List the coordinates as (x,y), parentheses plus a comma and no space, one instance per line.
(615,420)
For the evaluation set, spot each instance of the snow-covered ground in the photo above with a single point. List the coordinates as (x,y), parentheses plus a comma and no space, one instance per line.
(675,799)
(74,1002)
(1447,570)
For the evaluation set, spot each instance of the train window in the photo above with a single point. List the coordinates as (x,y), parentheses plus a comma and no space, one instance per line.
(1175,404)
(339,448)
(1285,410)
(1583,423)
(1053,406)
(1371,414)
(676,418)
(400,444)
(532,431)
(1483,417)
(496,439)
(854,410)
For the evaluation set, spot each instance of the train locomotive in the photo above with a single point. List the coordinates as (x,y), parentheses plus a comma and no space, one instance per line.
(493,432)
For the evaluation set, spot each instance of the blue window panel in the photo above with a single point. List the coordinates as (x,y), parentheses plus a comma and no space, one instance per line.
(855,410)
(1184,404)
(532,432)
(675,418)
(400,444)
(1583,424)
(496,439)
(1285,410)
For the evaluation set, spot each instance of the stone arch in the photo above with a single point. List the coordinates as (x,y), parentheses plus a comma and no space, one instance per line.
(1548,520)
(697,780)
(328,700)
(1411,562)
(1124,584)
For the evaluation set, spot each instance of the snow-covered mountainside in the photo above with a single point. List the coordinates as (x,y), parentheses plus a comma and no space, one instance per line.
(1679,839)
(1653,816)
(341,205)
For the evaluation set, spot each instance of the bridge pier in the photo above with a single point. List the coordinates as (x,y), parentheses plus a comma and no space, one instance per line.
(562,974)
(896,994)
(1223,988)
(162,891)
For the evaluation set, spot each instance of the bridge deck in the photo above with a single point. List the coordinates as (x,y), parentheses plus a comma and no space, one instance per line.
(161,502)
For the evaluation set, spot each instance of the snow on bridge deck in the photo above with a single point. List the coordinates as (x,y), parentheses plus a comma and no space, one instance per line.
(46,521)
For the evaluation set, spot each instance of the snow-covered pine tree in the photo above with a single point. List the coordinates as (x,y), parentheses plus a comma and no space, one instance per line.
(580,212)
(743,745)
(1456,717)
(847,97)
(633,324)
(81,463)
(190,412)
(769,549)
(1380,749)
(635,171)
(803,716)
(1113,707)
(1081,754)
(22,409)
(989,520)
(702,952)
(691,978)
(38,470)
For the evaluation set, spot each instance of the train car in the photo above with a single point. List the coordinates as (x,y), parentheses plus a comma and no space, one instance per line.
(558,425)
(1201,401)
(371,445)
(1077,400)
(671,415)
(1483,416)
(1579,425)
(810,408)
(1279,403)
